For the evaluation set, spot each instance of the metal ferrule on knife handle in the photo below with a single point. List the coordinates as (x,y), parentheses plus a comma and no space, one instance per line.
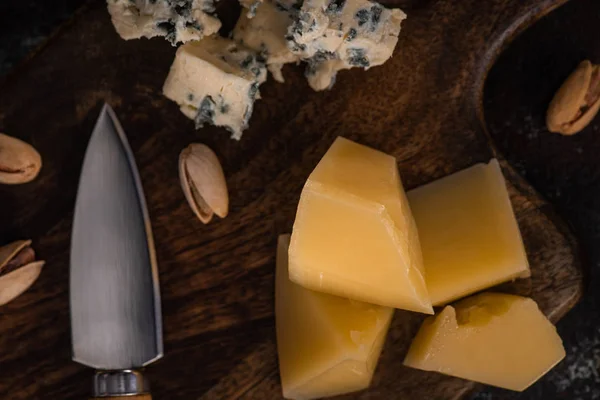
(134,397)
(120,383)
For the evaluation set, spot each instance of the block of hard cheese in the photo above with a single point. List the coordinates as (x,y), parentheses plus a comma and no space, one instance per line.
(498,339)
(354,234)
(327,345)
(468,232)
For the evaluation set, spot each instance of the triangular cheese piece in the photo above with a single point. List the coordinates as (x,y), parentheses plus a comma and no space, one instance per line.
(327,345)
(354,234)
(498,339)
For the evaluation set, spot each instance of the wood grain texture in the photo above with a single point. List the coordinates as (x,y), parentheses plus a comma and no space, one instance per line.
(423,107)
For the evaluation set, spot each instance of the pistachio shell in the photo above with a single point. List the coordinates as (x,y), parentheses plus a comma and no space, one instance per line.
(10,250)
(570,110)
(203,182)
(583,121)
(19,161)
(15,283)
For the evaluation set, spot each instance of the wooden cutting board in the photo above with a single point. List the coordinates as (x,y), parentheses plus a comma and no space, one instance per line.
(423,106)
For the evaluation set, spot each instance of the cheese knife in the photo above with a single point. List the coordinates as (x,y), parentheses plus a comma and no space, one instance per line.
(116,323)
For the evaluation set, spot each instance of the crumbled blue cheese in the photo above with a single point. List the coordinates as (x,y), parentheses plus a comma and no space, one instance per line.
(265,33)
(176,20)
(251,6)
(216,81)
(332,35)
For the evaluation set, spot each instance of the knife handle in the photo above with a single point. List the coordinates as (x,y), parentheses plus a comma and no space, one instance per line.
(138,397)
(121,385)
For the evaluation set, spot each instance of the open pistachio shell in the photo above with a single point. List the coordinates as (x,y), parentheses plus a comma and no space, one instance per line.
(9,251)
(15,283)
(19,161)
(203,182)
(577,101)
(18,269)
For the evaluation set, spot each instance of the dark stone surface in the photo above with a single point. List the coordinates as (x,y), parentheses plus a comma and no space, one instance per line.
(25,24)
(572,187)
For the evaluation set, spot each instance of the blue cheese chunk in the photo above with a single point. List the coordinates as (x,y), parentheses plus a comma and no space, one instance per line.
(265,33)
(332,35)
(216,81)
(251,6)
(176,20)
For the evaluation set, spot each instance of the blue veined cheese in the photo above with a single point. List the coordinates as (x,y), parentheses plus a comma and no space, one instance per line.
(176,20)
(265,33)
(216,81)
(290,5)
(251,6)
(332,35)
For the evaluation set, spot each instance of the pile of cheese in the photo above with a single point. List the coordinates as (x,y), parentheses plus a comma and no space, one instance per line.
(361,247)
(215,80)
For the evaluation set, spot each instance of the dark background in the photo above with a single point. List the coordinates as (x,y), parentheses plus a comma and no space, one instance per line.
(564,170)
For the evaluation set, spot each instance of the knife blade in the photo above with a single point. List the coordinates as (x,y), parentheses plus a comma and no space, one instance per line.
(116,322)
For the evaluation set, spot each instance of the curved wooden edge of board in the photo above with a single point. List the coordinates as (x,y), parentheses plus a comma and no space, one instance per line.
(529,13)
(523,19)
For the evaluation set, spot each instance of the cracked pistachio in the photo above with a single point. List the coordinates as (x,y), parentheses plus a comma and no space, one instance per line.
(18,269)
(577,101)
(203,182)
(19,161)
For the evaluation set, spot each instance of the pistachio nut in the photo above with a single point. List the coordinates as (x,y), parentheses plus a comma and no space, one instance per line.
(18,269)
(203,182)
(19,161)
(577,101)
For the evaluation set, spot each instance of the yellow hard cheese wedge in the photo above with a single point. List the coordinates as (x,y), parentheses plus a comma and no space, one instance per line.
(497,339)
(468,232)
(354,234)
(327,345)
